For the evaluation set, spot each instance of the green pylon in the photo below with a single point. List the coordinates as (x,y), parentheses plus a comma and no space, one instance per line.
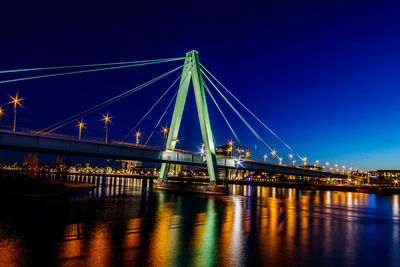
(191,70)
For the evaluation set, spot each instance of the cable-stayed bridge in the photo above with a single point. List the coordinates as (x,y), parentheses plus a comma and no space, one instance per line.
(128,151)
(48,140)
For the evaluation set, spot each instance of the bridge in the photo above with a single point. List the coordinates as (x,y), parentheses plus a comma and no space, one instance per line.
(202,80)
(127,151)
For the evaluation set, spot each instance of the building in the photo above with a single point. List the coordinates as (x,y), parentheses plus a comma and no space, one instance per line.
(388,173)
(129,165)
(231,150)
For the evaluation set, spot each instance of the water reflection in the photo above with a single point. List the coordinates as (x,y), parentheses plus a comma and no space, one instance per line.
(124,222)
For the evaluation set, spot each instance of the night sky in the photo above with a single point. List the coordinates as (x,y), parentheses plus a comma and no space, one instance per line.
(324,75)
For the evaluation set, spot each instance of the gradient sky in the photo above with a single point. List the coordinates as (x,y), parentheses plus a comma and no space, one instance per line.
(324,75)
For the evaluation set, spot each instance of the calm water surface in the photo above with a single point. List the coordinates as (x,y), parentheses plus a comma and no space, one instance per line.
(124,222)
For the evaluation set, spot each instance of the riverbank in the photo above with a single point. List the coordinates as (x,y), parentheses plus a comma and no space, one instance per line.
(303,186)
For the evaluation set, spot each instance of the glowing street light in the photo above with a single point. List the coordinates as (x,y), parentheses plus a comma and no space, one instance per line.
(2,112)
(230,148)
(106,119)
(327,165)
(273,153)
(202,148)
(247,154)
(280,161)
(317,163)
(165,131)
(293,162)
(305,161)
(265,157)
(81,125)
(16,102)
(291,157)
(137,134)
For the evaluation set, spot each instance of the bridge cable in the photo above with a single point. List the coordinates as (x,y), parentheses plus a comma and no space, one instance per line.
(162,60)
(103,104)
(162,116)
(223,115)
(77,72)
(183,79)
(147,113)
(263,124)
(241,117)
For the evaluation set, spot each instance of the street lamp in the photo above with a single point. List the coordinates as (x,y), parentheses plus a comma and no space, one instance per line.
(317,163)
(137,134)
(165,132)
(230,148)
(305,161)
(2,112)
(293,162)
(265,157)
(81,125)
(16,102)
(327,165)
(291,157)
(273,152)
(106,119)
(202,148)
(280,161)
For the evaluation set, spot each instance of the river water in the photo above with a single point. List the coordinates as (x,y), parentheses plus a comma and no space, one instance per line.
(123,222)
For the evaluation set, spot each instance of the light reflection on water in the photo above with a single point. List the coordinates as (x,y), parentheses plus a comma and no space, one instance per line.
(124,222)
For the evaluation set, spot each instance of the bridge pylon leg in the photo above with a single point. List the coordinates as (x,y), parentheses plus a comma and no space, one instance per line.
(191,70)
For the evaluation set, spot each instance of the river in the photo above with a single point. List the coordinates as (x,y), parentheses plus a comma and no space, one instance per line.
(123,222)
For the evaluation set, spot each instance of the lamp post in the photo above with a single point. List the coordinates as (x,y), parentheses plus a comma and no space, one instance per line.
(106,119)
(16,102)
(273,153)
(81,125)
(2,112)
(265,157)
(137,134)
(230,148)
(165,132)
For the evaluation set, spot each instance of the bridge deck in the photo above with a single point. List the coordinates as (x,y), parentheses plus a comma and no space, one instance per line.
(21,141)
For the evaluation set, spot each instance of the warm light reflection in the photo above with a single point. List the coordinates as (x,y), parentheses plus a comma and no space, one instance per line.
(99,249)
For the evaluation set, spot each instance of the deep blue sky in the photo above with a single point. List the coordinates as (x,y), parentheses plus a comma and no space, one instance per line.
(323,74)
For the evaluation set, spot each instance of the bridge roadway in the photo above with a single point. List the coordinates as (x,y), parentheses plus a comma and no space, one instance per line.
(21,141)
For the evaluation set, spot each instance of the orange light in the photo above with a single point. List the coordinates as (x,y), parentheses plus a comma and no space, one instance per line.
(106,118)
(16,101)
(81,124)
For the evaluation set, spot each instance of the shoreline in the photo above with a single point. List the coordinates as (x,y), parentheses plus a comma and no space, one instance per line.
(376,189)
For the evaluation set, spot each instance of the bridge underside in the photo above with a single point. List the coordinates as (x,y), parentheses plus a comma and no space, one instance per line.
(55,145)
